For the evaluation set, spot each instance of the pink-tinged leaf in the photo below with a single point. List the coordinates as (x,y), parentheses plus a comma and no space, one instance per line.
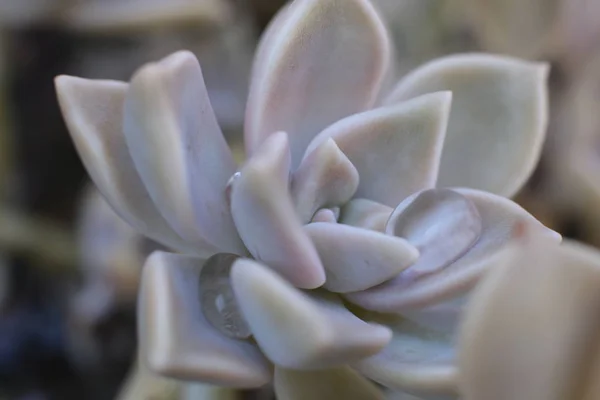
(179,150)
(499,218)
(93,111)
(325,178)
(396,149)
(176,339)
(266,219)
(531,327)
(320,61)
(334,383)
(498,121)
(365,214)
(357,259)
(418,360)
(442,224)
(297,330)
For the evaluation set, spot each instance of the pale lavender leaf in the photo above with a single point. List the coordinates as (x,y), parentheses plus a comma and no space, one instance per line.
(357,259)
(266,219)
(93,112)
(299,330)
(178,341)
(179,150)
(418,360)
(395,149)
(442,224)
(325,178)
(313,51)
(366,214)
(498,121)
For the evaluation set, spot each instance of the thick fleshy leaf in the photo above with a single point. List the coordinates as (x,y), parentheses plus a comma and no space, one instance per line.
(335,383)
(442,224)
(175,337)
(418,360)
(325,178)
(357,259)
(532,327)
(499,217)
(313,51)
(179,150)
(266,219)
(366,214)
(297,330)
(498,120)
(93,113)
(395,149)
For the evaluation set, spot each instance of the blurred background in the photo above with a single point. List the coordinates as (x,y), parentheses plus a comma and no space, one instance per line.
(69,268)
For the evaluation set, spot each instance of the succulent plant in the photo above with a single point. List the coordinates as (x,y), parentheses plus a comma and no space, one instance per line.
(344,248)
(519,343)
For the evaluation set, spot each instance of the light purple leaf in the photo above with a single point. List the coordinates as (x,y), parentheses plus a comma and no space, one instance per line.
(93,111)
(396,149)
(266,219)
(357,259)
(498,121)
(499,217)
(297,330)
(325,178)
(179,150)
(321,61)
(175,337)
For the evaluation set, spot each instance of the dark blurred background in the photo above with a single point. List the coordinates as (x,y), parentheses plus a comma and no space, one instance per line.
(69,267)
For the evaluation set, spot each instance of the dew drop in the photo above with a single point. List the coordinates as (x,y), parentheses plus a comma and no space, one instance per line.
(219,305)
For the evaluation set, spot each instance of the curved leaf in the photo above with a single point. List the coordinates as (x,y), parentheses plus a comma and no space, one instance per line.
(175,337)
(315,50)
(395,149)
(498,119)
(265,217)
(179,150)
(297,330)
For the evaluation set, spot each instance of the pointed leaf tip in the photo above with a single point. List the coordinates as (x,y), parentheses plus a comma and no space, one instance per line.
(178,341)
(498,120)
(265,217)
(315,50)
(300,330)
(395,149)
(325,178)
(357,259)
(179,150)
(93,111)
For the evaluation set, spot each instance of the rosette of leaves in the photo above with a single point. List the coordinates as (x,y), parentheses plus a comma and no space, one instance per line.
(344,247)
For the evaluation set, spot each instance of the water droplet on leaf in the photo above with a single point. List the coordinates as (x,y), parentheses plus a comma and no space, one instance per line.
(219,305)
